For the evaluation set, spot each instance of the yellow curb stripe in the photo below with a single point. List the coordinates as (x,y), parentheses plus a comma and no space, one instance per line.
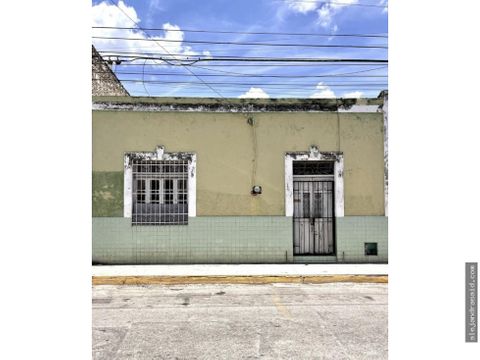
(256,279)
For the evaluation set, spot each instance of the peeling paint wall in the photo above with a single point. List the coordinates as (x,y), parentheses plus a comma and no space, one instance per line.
(385,146)
(191,104)
(225,155)
(107,193)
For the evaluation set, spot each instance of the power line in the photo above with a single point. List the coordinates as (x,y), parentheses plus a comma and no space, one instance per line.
(247,84)
(273,92)
(249,76)
(198,88)
(247,32)
(239,43)
(196,56)
(230,50)
(136,24)
(324,75)
(266,59)
(255,65)
(225,58)
(189,57)
(241,76)
(335,3)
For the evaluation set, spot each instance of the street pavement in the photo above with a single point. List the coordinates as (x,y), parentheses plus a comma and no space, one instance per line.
(271,321)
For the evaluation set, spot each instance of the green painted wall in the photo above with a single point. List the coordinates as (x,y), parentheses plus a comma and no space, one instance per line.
(224,144)
(107,193)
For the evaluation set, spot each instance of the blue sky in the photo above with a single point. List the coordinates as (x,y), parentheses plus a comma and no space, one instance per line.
(291,16)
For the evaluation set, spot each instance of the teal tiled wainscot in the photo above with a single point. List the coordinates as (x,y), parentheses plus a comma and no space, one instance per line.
(206,239)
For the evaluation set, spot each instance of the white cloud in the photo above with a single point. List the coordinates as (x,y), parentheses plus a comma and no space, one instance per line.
(343,3)
(302,7)
(327,12)
(353,94)
(106,14)
(154,7)
(325,16)
(255,93)
(323,92)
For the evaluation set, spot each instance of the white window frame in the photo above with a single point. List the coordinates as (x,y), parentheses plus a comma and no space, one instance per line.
(162,194)
(160,154)
(315,155)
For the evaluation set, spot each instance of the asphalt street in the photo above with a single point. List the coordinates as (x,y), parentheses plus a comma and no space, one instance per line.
(272,321)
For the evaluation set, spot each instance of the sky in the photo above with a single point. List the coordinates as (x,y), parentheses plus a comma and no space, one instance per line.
(173,40)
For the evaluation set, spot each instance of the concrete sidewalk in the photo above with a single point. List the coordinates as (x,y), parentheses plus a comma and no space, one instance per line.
(238,274)
(240,270)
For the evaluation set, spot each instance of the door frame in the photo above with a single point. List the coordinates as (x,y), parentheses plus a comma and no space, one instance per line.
(315,155)
(338,195)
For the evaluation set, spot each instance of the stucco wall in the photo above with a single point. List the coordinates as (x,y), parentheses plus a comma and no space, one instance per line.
(224,144)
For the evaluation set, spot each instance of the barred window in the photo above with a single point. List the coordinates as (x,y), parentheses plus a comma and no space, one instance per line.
(313,167)
(160,192)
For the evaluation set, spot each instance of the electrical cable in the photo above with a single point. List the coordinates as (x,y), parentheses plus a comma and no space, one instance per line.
(336,46)
(247,76)
(197,58)
(326,75)
(297,85)
(246,32)
(334,3)
(136,24)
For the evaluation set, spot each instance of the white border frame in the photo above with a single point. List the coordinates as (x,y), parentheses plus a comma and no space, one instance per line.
(314,154)
(160,154)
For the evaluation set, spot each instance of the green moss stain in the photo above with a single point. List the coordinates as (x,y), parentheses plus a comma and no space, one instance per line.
(107,193)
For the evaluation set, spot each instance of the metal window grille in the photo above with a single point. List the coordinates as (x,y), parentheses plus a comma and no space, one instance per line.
(313,208)
(313,167)
(160,192)
(313,217)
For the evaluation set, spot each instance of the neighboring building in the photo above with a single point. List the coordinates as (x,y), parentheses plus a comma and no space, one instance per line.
(104,81)
(191,180)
